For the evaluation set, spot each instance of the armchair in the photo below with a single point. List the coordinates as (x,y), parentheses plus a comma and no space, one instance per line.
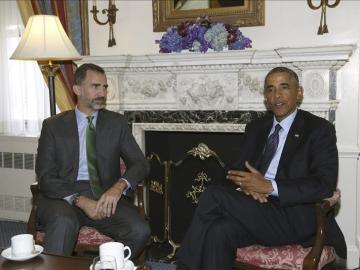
(89,238)
(294,257)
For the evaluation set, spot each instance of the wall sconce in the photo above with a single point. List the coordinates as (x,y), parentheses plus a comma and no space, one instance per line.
(323,29)
(111,19)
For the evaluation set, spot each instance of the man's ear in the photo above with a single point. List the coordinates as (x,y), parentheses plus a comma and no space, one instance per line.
(76,89)
(300,95)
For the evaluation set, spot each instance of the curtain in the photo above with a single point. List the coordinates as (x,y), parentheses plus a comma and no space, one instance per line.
(24,101)
(73,16)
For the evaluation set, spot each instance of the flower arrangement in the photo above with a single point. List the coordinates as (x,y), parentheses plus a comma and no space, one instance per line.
(201,35)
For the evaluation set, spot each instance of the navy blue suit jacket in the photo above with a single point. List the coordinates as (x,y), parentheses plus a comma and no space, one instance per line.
(307,171)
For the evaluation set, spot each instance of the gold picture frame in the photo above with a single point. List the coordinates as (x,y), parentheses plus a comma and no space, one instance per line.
(248,13)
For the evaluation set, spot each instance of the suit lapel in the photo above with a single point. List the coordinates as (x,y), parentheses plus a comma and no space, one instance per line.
(102,127)
(70,125)
(293,139)
(261,139)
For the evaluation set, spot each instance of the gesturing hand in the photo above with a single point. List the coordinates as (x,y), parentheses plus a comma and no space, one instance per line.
(251,182)
(258,196)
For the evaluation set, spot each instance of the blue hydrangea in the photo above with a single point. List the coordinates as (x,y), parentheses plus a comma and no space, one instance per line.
(241,42)
(216,36)
(170,41)
(201,35)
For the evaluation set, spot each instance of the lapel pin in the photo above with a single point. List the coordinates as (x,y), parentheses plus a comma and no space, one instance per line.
(297,135)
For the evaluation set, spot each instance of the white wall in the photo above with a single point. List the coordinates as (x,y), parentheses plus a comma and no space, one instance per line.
(288,23)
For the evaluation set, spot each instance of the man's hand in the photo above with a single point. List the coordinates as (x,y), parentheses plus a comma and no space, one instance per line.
(89,207)
(251,183)
(109,199)
(258,196)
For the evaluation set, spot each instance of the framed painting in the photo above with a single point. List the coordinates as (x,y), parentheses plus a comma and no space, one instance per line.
(238,12)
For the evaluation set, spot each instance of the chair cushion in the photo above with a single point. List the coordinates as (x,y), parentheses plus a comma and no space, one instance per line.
(282,257)
(87,236)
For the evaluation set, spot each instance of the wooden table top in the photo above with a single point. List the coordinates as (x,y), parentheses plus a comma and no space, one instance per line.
(47,262)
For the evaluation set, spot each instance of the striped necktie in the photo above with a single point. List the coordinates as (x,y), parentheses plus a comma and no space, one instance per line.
(270,149)
(91,158)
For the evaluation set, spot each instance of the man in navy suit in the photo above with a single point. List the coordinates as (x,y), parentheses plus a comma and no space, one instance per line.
(67,198)
(271,204)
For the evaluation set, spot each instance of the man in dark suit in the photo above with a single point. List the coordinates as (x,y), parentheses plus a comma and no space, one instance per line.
(78,169)
(268,200)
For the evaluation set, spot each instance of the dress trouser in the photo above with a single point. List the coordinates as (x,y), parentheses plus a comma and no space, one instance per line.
(226,219)
(61,223)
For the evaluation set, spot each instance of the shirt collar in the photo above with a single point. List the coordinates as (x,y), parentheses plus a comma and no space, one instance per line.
(80,116)
(286,122)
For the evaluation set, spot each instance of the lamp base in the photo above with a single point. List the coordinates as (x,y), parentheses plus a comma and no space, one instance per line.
(50,71)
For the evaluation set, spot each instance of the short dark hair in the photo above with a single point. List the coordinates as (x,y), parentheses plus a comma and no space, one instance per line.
(80,73)
(283,69)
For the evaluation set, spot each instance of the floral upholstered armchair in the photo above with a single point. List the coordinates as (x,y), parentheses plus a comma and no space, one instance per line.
(293,257)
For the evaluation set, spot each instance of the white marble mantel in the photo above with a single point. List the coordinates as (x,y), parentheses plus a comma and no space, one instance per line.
(229,80)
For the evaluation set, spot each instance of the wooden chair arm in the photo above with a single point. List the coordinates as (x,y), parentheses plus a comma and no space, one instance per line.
(32,221)
(311,261)
(140,198)
(31,225)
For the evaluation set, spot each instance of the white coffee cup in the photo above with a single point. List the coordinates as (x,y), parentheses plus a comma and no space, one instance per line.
(117,250)
(22,245)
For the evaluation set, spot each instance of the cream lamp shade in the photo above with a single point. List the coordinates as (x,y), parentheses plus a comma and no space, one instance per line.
(44,39)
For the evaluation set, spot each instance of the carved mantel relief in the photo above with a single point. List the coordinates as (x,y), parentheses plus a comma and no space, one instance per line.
(231,80)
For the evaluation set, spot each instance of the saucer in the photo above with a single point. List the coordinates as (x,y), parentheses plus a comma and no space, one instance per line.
(7,254)
(129,265)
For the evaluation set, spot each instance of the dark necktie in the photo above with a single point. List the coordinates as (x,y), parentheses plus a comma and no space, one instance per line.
(91,158)
(270,149)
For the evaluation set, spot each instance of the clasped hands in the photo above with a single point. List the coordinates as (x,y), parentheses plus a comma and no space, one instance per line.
(106,205)
(252,183)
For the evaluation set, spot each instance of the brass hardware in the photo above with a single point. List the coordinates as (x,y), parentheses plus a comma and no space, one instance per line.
(323,29)
(201,179)
(111,19)
(156,187)
(174,249)
(204,152)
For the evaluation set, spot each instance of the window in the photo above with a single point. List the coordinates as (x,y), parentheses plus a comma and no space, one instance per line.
(24,96)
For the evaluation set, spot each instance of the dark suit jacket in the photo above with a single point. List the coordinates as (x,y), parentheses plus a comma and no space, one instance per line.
(307,171)
(57,161)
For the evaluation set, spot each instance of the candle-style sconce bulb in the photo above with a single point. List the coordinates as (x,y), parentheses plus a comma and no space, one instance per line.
(323,28)
(111,19)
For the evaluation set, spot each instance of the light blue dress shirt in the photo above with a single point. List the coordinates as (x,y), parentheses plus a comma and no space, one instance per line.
(271,171)
(82,122)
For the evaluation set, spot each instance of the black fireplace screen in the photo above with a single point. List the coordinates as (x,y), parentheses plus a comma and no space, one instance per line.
(182,168)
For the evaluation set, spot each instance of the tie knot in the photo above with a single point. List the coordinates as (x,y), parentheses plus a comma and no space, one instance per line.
(277,128)
(90,119)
